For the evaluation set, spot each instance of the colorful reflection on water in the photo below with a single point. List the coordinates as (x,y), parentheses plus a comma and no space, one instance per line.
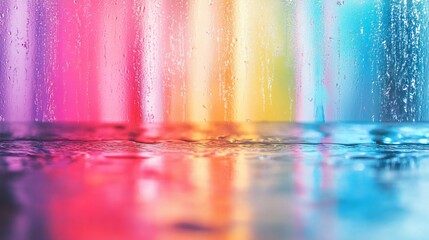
(230,181)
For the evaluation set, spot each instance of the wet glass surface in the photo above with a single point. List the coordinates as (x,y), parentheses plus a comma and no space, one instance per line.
(225,181)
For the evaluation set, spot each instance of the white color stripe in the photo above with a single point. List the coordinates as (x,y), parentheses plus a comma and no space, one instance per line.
(19,66)
(305,85)
(152,91)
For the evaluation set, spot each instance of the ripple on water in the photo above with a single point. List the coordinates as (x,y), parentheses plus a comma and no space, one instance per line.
(232,178)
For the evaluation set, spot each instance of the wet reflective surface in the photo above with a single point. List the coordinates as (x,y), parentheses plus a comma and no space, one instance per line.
(248,181)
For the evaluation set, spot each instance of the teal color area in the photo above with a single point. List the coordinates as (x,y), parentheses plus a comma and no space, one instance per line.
(355,86)
(320,98)
(403,60)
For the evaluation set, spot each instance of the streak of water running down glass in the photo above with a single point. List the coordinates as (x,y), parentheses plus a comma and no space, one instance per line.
(225,181)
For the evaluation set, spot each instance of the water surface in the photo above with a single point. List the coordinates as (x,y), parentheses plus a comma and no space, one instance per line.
(214,181)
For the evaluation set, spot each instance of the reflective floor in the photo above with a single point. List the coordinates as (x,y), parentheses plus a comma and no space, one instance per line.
(235,181)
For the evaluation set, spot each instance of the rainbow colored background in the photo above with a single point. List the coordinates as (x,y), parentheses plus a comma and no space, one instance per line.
(144,61)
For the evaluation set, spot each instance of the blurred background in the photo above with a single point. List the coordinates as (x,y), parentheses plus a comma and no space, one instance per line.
(146,61)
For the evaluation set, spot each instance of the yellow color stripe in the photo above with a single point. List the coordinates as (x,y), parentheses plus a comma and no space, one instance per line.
(264,63)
